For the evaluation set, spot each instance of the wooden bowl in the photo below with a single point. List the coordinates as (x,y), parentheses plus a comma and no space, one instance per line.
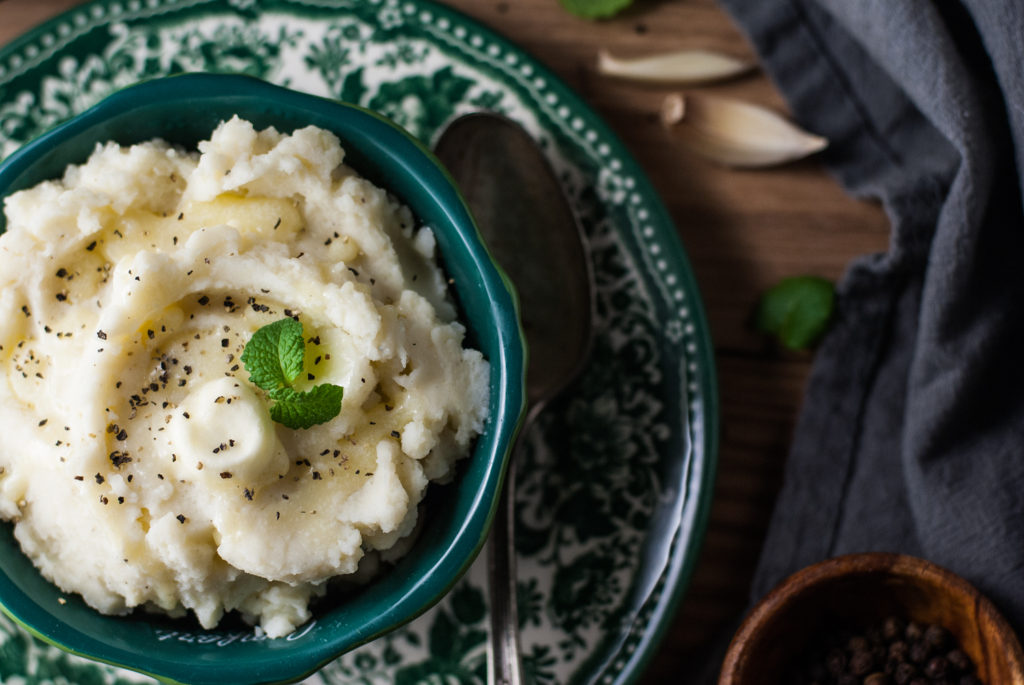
(861,590)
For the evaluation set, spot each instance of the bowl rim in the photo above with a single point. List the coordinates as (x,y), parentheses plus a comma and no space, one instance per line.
(851,565)
(507,412)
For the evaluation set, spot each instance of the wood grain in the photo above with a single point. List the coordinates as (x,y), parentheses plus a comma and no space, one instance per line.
(742,230)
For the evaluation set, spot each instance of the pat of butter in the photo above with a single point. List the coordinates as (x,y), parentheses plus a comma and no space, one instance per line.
(223,430)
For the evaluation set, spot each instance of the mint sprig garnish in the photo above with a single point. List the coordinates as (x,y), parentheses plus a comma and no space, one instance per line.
(274,358)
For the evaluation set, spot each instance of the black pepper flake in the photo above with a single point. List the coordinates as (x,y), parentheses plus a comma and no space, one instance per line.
(160,476)
(181,383)
(204,300)
(316,475)
(79,478)
(99,479)
(25,311)
(187,369)
(310,376)
(43,422)
(122,435)
(181,215)
(276,225)
(104,500)
(354,272)
(248,494)
(278,515)
(396,434)
(225,474)
(224,342)
(101,335)
(61,297)
(150,334)
(130,478)
(91,246)
(185,414)
(120,500)
(181,518)
(119,459)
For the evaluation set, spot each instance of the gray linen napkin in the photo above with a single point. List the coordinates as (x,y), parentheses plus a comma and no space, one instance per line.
(911,438)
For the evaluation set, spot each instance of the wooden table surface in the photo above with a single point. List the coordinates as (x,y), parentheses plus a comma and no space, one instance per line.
(743,230)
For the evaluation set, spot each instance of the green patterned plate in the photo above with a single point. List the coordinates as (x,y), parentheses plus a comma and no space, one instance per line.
(616,480)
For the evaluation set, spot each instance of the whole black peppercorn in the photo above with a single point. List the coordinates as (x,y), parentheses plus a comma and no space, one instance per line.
(936,637)
(898,650)
(903,673)
(918,652)
(893,628)
(958,660)
(937,667)
(835,662)
(913,632)
(861,663)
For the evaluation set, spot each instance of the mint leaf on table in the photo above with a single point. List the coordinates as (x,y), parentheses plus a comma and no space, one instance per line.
(295,409)
(796,310)
(595,9)
(274,357)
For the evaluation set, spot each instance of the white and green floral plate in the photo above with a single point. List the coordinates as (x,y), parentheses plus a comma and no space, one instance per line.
(616,480)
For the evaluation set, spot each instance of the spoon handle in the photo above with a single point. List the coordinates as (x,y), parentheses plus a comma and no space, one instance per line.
(505,664)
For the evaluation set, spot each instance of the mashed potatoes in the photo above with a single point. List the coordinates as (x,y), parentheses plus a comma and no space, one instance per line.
(139,464)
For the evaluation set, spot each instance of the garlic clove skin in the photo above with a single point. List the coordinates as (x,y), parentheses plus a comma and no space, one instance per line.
(735,133)
(683,67)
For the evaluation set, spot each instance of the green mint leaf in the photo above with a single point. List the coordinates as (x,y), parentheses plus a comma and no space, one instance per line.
(595,9)
(796,310)
(274,358)
(275,354)
(319,404)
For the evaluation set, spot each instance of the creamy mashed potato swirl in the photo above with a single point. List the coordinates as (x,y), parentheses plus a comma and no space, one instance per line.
(138,463)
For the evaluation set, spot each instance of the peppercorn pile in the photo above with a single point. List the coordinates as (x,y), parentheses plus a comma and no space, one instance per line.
(894,652)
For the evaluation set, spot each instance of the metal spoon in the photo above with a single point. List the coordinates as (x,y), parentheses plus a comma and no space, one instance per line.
(532,232)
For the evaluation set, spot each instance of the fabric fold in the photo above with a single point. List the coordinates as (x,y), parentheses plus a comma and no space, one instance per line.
(911,438)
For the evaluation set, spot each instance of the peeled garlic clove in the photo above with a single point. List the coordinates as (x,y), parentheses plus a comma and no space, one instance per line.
(682,67)
(736,133)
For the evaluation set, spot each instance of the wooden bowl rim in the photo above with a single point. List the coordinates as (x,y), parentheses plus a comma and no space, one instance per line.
(863,564)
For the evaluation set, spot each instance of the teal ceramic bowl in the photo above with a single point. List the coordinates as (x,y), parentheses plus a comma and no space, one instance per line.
(185,109)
